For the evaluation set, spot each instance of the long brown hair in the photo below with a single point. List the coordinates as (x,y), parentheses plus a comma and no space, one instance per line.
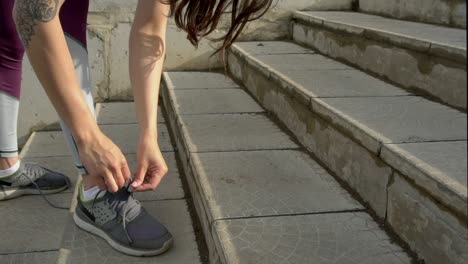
(199,18)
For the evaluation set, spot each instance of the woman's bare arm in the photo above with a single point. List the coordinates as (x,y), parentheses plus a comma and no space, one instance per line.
(147,50)
(38,25)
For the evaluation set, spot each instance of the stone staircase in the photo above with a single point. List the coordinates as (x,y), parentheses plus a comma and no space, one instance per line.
(260,197)
(346,144)
(350,151)
(38,233)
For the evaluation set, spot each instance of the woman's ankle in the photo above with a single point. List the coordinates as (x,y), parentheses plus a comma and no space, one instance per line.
(88,182)
(6,163)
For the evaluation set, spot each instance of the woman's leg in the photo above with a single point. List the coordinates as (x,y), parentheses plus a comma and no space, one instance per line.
(73,16)
(11,57)
(9,106)
(16,177)
(80,61)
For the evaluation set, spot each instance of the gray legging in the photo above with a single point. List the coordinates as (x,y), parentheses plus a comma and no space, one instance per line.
(9,106)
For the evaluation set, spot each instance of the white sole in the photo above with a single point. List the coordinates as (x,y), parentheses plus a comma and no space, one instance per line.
(14,193)
(129,251)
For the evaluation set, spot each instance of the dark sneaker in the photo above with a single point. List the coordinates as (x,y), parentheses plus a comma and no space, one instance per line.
(119,219)
(31,178)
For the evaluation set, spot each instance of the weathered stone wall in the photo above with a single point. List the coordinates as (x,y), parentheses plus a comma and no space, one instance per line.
(109,26)
(445,12)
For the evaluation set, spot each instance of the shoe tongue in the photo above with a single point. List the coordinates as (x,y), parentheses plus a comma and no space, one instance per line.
(124,200)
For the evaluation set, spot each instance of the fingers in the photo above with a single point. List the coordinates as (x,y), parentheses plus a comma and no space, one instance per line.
(118,177)
(125,170)
(139,175)
(112,178)
(110,181)
(115,169)
(120,172)
(152,180)
(148,186)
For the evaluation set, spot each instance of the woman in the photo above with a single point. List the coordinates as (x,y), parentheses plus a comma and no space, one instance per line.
(53,34)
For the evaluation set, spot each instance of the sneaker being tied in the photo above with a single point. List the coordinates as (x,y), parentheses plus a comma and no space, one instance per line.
(120,219)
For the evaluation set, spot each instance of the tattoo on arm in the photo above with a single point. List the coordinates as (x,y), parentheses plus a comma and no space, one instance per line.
(28,13)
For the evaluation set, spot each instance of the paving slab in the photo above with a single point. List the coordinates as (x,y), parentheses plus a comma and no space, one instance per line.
(233,132)
(300,62)
(403,119)
(46,144)
(199,80)
(63,165)
(82,247)
(207,101)
(274,47)
(263,183)
(126,136)
(33,225)
(120,113)
(170,186)
(344,83)
(351,238)
(415,31)
(30,258)
(52,143)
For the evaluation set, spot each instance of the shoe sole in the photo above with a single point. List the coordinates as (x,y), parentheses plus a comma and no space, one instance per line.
(14,193)
(115,245)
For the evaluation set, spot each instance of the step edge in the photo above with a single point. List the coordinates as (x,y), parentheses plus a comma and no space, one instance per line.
(443,50)
(448,191)
(203,212)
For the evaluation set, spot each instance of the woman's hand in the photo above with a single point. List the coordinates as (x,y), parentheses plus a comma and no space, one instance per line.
(104,162)
(151,165)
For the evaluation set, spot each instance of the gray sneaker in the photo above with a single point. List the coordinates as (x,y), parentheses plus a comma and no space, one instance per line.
(119,219)
(31,178)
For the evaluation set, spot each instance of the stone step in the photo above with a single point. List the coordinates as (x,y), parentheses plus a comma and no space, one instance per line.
(443,12)
(42,234)
(398,152)
(426,59)
(120,113)
(260,197)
